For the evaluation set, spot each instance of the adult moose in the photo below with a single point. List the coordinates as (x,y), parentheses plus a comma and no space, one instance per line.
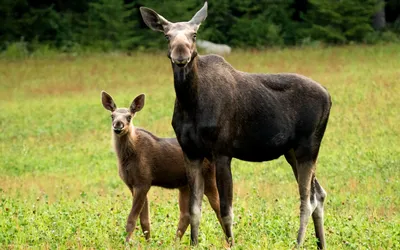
(221,113)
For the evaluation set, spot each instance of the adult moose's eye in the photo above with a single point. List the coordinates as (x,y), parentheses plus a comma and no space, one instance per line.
(112,117)
(194,36)
(168,37)
(129,118)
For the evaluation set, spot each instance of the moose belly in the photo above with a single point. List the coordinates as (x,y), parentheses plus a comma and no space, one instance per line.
(170,180)
(258,152)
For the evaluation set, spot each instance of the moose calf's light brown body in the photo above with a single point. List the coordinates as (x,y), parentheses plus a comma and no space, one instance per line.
(145,160)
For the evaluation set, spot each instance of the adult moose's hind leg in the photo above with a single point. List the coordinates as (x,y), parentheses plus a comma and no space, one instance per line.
(312,195)
(318,213)
(225,190)
(302,165)
(319,193)
(305,172)
(291,159)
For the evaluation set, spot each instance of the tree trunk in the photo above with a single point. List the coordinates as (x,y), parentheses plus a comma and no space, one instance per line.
(379,21)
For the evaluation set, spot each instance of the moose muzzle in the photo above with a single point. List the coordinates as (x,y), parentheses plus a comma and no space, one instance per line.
(180,61)
(118,127)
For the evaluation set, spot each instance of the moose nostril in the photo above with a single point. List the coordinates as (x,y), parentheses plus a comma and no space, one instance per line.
(181,60)
(118,126)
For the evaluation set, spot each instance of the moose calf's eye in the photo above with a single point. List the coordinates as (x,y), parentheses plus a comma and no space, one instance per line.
(167,37)
(112,117)
(129,118)
(194,36)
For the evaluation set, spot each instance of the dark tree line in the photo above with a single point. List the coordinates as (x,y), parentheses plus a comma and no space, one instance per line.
(116,24)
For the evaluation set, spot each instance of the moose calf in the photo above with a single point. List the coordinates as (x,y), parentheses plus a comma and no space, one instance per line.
(145,160)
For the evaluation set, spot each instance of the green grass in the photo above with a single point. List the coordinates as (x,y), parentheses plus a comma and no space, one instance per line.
(59,185)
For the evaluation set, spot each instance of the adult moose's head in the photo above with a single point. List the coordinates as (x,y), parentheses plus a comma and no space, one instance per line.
(181,36)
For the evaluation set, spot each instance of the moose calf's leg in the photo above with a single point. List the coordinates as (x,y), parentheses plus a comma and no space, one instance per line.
(305,174)
(225,190)
(318,214)
(184,217)
(145,219)
(138,202)
(196,186)
(211,191)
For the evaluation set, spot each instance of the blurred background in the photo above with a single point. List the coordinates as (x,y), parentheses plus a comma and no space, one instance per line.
(110,25)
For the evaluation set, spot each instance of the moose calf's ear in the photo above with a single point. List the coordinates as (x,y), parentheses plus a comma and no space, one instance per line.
(107,101)
(153,20)
(137,103)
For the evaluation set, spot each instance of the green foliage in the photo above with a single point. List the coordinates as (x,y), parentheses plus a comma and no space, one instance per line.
(381,37)
(109,25)
(44,50)
(11,22)
(16,50)
(396,26)
(339,21)
(259,25)
(101,25)
(245,24)
(219,21)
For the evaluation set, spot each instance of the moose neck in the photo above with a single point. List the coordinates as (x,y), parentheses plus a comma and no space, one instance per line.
(125,145)
(185,81)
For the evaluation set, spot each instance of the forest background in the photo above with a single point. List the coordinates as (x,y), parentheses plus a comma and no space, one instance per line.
(116,25)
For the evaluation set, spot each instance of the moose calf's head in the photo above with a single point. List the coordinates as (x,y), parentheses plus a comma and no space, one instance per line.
(121,117)
(181,36)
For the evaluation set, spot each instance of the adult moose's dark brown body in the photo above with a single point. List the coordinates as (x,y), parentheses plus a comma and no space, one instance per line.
(146,160)
(221,113)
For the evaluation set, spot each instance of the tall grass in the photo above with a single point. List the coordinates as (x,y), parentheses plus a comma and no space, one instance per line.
(59,186)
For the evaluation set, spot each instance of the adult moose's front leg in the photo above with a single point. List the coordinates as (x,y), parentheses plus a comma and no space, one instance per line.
(225,191)
(196,186)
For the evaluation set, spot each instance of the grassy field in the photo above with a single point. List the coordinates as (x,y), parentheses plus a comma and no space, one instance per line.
(59,185)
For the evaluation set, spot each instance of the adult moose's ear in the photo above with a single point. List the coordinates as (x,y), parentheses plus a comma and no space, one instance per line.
(153,20)
(137,104)
(200,16)
(108,102)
